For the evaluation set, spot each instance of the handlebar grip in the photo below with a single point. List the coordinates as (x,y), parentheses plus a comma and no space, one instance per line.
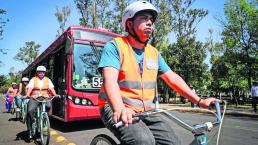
(218,111)
(120,123)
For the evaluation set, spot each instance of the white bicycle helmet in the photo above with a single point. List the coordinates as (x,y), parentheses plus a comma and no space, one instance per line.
(136,7)
(25,79)
(41,68)
(13,83)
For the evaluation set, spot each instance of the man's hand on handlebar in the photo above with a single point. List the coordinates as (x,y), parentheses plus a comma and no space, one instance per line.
(125,115)
(204,103)
(25,97)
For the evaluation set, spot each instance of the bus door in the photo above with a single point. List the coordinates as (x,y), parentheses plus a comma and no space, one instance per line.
(59,81)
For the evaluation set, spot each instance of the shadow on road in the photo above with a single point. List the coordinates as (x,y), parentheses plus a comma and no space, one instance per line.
(76,125)
(22,136)
(13,119)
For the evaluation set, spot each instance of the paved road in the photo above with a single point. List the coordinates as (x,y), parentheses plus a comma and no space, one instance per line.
(235,130)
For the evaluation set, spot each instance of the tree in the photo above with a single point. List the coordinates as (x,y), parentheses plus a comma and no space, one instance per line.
(162,27)
(3,80)
(218,71)
(186,56)
(62,16)
(83,6)
(28,53)
(3,84)
(100,13)
(3,22)
(240,36)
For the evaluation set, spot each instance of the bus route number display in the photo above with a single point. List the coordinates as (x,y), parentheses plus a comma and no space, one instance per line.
(97,82)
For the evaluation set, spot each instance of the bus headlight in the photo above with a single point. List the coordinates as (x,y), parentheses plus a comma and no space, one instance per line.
(84,101)
(89,103)
(70,98)
(80,101)
(77,101)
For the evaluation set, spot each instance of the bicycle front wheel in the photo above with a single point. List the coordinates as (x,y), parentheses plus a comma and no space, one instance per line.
(102,139)
(23,110)
(45,129)
(18,114)
(12,107)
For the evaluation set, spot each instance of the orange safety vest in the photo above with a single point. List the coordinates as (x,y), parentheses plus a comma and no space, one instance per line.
(36,91)
(137,91)
(22,89)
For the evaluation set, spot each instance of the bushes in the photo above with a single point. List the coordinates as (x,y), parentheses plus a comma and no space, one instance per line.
(4,89)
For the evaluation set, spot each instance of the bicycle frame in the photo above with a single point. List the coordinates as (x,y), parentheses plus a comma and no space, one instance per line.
(41,109)
(24,109)
(198,130)
(42,121)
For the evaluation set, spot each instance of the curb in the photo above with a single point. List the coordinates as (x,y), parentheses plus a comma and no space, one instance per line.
(228,112)
(242,114)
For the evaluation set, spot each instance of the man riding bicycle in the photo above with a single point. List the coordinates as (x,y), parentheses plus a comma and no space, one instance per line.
(10,94)
(39,86)
(22,91)
(130,66)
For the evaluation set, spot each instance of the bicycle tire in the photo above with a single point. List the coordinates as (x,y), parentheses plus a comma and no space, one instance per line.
(12,108)
(18,115)
(44,129)
(103,139)
(23,110)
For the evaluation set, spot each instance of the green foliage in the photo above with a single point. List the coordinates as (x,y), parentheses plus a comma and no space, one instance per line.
(6,81)
(3,80)
(102,13)
(240,37)
(162,25)
(28,53)
(234,60)
(186,56)
(62,16)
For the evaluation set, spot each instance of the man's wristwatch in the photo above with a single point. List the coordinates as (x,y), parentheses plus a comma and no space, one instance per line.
(198,103)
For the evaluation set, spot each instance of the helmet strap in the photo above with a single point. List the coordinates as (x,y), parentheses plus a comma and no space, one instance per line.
(137,38)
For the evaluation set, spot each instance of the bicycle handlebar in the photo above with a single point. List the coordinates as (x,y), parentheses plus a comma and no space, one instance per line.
(196,129)
(47,99)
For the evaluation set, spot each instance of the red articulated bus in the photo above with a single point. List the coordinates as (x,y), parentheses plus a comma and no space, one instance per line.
(71,62)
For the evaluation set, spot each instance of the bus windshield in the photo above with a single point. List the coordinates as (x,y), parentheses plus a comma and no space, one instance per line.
(85,64)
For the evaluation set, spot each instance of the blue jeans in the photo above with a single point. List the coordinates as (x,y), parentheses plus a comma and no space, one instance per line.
(152,130)
(31,109)
(18,100)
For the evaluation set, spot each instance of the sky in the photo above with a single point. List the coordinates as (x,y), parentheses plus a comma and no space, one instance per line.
(34,20)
